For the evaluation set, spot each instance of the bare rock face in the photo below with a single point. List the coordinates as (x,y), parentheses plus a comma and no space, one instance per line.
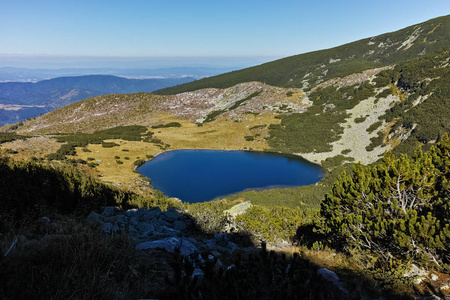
(239,208)
(417,273)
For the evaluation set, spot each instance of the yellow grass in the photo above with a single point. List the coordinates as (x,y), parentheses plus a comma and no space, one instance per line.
(220,134)
(35,146)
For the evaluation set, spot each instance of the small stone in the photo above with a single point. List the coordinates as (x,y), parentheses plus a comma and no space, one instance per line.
(434,277)
(200,259)
(130,212)
(230,267)
(197,273)
(218,265)
(444,287)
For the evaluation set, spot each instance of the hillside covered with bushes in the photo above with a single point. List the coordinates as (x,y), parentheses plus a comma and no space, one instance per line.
(309,69)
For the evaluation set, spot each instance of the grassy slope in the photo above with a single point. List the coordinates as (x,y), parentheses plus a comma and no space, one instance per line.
(360,55)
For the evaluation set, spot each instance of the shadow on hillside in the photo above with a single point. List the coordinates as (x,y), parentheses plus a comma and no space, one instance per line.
(64,252)
(150,253)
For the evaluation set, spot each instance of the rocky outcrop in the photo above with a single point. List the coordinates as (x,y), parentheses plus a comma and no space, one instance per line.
(332,278)
(152,228)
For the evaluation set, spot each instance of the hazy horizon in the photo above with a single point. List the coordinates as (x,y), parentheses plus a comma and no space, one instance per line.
(150,34)
(91,62)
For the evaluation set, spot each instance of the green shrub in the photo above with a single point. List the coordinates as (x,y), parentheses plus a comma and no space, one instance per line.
(171,124)
(396,209)
(10,136)
(360,119)
(209,216)
(139,162)
(258,126)
(374,126)
(271,224)
(28,187)
(109,144)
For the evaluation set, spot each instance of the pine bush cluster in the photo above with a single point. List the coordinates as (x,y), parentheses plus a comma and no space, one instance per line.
(396,209)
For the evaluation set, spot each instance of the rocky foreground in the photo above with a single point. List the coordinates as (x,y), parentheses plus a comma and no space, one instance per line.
(153,228)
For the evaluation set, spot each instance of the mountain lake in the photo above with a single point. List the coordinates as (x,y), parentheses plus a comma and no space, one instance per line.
(202,175)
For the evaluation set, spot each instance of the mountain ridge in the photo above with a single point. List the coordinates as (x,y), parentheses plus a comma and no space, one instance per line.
(308,69)
(32,99)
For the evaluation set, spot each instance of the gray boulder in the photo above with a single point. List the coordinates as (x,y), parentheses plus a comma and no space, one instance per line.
(145,229)
(419,274)
(169,232)
(197,273)
(180,225)
(152,213)
(170,215)
(170,244)
(221,239)
(218,265)
(95,218)
(332,277)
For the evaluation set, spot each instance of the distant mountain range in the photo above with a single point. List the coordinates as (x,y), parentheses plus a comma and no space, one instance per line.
(9,74)
(22,100)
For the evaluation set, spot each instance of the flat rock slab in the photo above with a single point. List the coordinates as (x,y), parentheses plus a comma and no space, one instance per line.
(170,244)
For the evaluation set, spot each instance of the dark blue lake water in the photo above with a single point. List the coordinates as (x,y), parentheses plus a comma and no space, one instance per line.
(202,175)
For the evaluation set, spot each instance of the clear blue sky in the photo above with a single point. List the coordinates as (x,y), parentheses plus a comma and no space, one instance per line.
(199,28)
